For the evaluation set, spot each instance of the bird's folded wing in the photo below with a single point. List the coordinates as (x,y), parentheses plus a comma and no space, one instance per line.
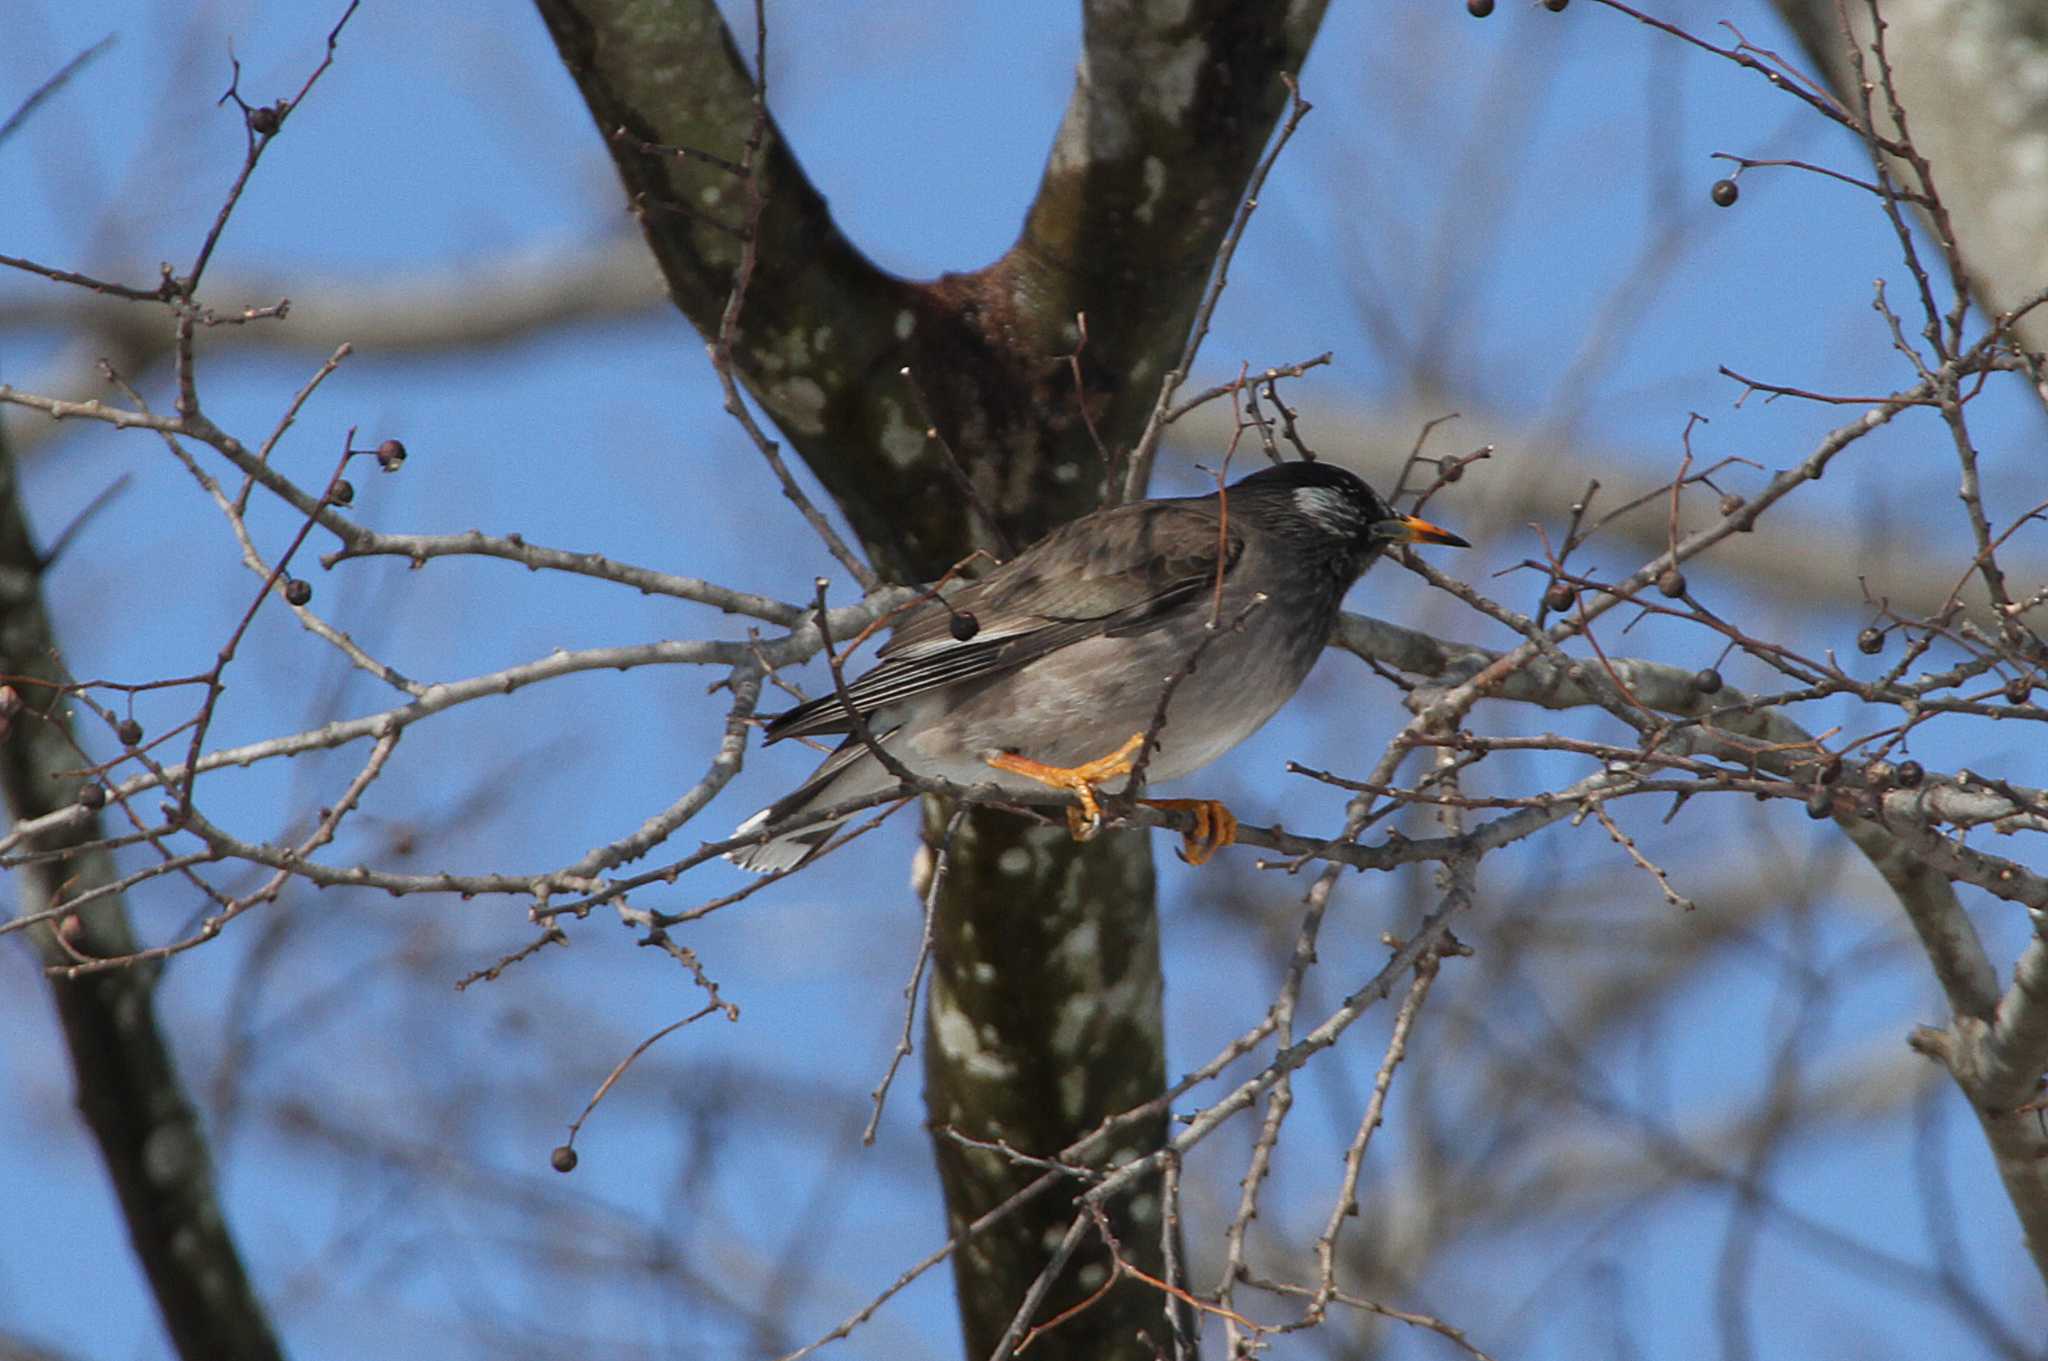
(1119,572)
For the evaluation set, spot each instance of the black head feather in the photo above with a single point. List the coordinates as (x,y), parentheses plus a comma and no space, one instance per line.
(1314,500)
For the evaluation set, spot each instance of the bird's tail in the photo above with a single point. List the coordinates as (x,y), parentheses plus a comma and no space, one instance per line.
(788,850)
(847,774)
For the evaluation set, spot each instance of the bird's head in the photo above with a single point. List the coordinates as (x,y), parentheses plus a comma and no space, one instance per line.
(1328,503)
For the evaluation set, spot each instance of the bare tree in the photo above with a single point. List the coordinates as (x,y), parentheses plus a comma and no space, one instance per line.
(1095,1208)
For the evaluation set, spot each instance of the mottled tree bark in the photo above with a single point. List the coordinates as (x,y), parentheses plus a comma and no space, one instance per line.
(1045,1007)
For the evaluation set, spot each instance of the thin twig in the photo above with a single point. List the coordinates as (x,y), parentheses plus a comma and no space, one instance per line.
(942,855)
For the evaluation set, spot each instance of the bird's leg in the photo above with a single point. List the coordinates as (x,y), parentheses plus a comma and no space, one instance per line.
(1080,781)
(1215,827)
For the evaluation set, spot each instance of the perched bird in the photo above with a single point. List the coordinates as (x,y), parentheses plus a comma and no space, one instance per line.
(1044,676)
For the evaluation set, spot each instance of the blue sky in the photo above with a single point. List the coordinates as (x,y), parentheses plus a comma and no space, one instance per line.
(1470,199)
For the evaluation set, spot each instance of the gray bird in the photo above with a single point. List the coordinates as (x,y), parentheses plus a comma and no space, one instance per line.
(1043,677)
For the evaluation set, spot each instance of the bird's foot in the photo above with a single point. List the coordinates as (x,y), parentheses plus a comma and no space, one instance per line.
(1215,827)
(1085,820)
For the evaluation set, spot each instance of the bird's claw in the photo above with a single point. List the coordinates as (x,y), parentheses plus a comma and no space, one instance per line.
(1215,827)
(1084,819)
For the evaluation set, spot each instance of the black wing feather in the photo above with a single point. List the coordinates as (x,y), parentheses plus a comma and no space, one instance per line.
(1117,571)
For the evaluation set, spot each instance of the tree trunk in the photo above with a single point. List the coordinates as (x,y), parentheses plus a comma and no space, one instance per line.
(1044,1015)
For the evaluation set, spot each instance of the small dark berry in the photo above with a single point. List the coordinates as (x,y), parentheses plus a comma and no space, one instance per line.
(1732,503)
(1707,682)
(1559,596)
(264,121)
(964,626)
(1831,770)
(2016,690)
(342,492)
(129,732)
(1870,642)
(1820,804)
(93,796)
(1724,193)
(563,1159)
(297,591)
(390,455)
(1479,9)
(1671,582)
(1909,774)
(1555,6)
(1451,472)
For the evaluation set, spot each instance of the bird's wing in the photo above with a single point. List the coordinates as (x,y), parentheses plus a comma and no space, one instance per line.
(1118,571)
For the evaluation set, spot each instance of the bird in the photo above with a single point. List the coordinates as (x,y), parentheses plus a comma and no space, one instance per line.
(1044,676)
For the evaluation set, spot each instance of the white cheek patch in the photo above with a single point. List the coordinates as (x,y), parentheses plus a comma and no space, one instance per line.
(1327,509)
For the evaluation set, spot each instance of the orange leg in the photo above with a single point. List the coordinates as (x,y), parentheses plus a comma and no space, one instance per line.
(1080,781)
(1215,827)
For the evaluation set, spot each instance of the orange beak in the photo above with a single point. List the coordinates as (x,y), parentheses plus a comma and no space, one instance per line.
(1411,529)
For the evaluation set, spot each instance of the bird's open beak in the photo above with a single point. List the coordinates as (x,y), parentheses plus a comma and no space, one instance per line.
(1411,529)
